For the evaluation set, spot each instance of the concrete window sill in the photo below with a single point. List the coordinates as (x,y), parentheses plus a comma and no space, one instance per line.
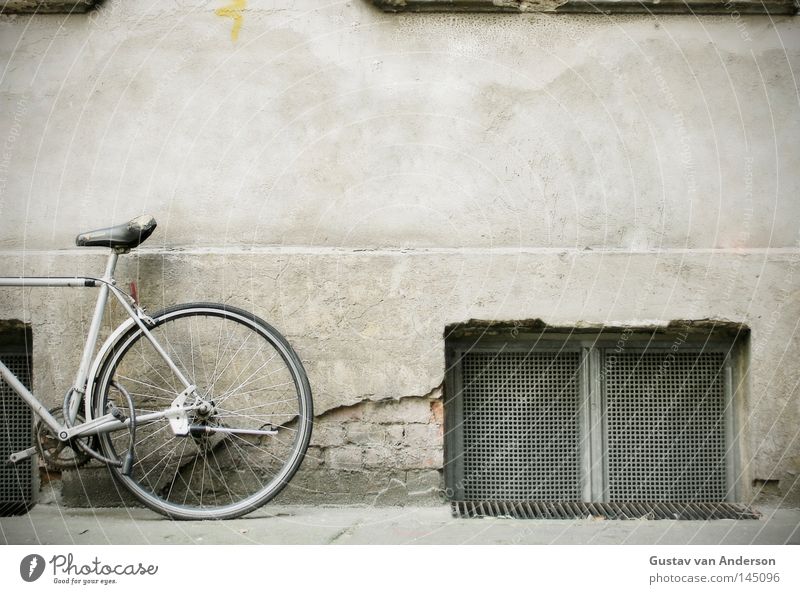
(774,7)
(47,6)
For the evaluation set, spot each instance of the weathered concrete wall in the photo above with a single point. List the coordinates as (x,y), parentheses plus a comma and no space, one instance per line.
(369,327)
(362,180)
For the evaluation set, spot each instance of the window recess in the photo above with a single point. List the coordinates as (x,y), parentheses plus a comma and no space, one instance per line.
(728,7)
(612,416)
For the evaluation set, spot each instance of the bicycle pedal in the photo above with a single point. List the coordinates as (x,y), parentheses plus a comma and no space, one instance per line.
(17,457)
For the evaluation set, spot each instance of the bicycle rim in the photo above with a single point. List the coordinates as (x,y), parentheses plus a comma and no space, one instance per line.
(254,381)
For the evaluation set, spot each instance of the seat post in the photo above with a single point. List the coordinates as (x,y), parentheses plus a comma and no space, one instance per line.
(91,338)
(111,264)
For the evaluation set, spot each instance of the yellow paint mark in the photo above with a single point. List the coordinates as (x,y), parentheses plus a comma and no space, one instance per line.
(233,11)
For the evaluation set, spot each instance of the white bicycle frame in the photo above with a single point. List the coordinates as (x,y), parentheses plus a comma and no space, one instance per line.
(84,380)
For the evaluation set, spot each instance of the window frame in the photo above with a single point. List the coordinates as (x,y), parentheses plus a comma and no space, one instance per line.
(700,7)
(48,6)
(594,345)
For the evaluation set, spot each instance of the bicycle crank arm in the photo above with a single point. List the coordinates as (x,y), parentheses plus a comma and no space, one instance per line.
(20,456)
(206,430)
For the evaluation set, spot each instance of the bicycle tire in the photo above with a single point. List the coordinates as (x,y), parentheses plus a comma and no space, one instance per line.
(237,473)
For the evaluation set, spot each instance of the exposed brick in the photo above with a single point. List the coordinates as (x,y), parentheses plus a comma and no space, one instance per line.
(364,433)
(416,458)
(315,457)
(344,414)
(415,410)
(395,434)
(344,457)
(406,410)
(433,458)
(379,456)
(437,410)
(418,435)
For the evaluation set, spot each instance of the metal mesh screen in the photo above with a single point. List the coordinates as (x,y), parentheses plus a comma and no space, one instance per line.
(16,434)
(665,422)
(520,425)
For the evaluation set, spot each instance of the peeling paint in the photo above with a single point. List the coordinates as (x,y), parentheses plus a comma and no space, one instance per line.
(434,394)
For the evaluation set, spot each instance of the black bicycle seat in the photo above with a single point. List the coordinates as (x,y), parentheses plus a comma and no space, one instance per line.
(125,236)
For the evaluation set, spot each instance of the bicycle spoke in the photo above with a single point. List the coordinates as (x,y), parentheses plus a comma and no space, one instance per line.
(175,352)
(232,359)
(241,371)
(176,476)
(241,365)
(200,356)
(188,484)
(243,457)
(191,354)
(170,384)
(174,447)
(223,399)
(240,410)
(221,475)
(155,451)
(216,357)
(149,437)
(237,415)
(131,379)
(262,450)
(215,376)
(227,391)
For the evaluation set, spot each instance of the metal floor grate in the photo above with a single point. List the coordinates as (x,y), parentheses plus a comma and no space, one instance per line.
(575,510)
(16,434)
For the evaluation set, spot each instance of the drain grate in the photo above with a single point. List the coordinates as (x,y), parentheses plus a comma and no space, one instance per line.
(574,510)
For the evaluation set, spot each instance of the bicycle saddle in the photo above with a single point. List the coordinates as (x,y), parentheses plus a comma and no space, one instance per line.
(125,236)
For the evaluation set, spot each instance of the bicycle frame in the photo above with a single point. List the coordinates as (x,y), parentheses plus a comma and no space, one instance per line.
(83,384)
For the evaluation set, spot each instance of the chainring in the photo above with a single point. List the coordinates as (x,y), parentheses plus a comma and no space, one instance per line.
(57,454)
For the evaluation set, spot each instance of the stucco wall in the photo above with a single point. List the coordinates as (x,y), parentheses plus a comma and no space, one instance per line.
(363,179)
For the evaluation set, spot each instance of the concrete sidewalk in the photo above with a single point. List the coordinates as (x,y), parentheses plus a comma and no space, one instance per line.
(51,524)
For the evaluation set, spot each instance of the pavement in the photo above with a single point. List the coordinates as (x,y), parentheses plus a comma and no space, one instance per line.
(297,524)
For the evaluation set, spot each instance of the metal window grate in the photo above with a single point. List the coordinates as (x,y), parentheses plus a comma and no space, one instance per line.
(665,426)
(638,420)
(520,425)
(16,434)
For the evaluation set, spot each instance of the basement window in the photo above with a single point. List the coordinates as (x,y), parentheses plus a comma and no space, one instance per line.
(47,6)
(595,416)
(733,8)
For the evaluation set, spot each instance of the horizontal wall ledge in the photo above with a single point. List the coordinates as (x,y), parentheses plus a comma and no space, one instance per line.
(773,7)
(47,6)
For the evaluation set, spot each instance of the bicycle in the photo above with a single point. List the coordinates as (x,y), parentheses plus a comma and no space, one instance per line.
(202,410)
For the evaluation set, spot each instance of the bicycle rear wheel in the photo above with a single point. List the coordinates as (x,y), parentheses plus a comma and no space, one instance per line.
(245,447)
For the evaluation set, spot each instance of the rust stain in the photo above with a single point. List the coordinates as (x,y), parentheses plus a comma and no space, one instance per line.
(233,11)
